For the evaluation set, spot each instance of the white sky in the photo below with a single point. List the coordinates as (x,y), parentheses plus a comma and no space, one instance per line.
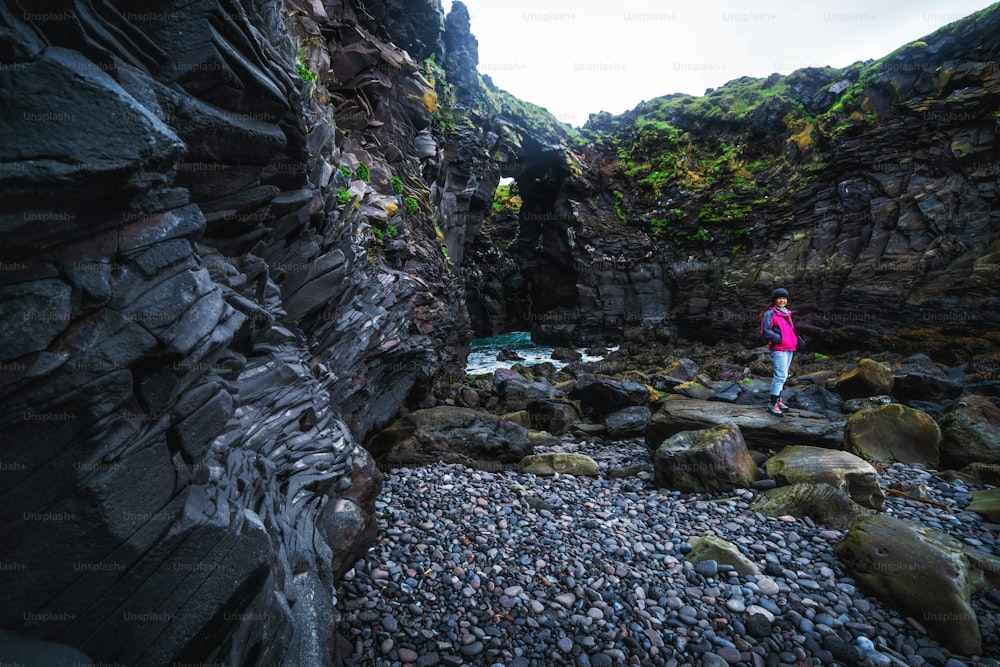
(578,58)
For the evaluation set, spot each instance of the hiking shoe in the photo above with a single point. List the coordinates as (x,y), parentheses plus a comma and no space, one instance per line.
(781,404)
(775,409)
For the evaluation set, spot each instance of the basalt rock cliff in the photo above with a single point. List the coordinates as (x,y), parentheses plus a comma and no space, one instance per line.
(240,236)
(870,192)
(231,238)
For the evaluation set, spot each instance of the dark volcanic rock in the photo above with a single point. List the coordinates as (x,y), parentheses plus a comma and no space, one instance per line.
(601,396)
(760,429)
(628,422)
(556,417)
(970,433)
(450,434)
(714,459)
(197,328)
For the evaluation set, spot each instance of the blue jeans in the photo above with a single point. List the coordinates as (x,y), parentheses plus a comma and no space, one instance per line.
(780,360)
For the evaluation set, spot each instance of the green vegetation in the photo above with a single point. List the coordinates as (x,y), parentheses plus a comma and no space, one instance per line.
(397,184)
(411,204)
(377,233)
(302,66)
(506,199)
(345,170)
(343,196)
(391,231)
(363,172)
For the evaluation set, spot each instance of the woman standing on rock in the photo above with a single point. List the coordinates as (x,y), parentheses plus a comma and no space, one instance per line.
(776,325)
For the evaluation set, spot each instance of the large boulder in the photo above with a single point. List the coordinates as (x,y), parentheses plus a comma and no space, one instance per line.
(452,435)
(919,379)
(760,429)
(921,573)
(629,422)
(556,417)
(970,433)
(824,504)
(841,470)
(987,503)
(600,396)
(893,433)
(714,459)
(516,391)
(723,552)
(868,378)
(564,463)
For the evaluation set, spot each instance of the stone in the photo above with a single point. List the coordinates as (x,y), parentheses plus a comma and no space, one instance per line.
(723,552)
(760,429)
(970,433)
(868,378)
(566,354)
(563,463)
(841,470)
(893,433)
(986,502)
(920,572)
(450,434)
(509,355)
(825,504)
(853,405)
(516,391)
(713,459)
(31,316)
(629,422)
(601,396)
(974,473)
(919,379)
(551,415)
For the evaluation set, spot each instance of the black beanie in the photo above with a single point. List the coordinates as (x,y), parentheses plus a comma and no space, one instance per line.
(781,291)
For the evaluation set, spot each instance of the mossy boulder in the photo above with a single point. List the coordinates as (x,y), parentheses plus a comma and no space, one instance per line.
(970,433)
(893,433)
(824,504)
(921,573)
(714,459)
(868,378)
(986,503)
(842,470)
(974,473)
(564,463)
(711,547)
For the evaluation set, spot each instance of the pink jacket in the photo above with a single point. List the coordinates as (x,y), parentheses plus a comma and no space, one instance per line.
(777,327)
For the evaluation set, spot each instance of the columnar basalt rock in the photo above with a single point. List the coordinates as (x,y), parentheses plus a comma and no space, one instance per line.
(220,272)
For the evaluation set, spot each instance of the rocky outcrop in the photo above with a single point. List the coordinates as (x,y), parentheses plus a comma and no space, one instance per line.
(452,435)
(868,190)
(759,428)
(223,267)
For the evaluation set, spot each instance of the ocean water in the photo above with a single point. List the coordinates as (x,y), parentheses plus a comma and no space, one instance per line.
(483,355)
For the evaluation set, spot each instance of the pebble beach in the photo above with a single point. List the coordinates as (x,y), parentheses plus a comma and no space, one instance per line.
(495,567)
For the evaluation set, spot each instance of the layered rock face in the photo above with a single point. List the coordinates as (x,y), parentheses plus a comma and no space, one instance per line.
(869,192)
(220,272)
